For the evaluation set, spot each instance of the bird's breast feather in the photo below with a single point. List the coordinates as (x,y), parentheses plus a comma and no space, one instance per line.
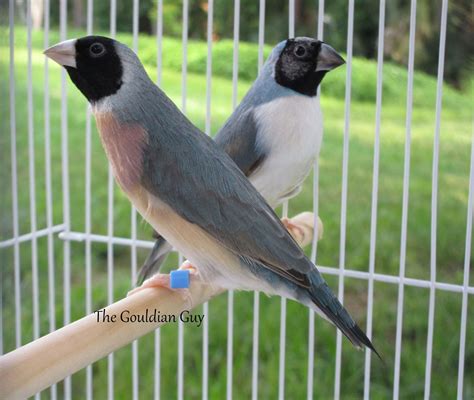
(124,144)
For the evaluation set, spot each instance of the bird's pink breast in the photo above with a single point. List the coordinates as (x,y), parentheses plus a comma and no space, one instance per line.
(123,144)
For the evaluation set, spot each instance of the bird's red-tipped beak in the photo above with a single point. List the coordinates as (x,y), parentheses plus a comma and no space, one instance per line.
(63,53)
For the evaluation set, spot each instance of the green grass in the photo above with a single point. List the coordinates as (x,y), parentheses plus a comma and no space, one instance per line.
(455,140)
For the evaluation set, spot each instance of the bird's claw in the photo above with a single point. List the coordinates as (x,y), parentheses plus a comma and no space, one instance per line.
(191,268)
(163,281)
(295,230)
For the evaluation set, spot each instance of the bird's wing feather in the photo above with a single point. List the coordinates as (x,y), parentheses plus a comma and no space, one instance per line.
(203,185)
(238,138)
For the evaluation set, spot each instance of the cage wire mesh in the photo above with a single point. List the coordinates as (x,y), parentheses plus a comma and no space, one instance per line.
(397,246)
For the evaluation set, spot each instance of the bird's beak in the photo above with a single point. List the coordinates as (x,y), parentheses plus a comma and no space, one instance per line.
(63,53)
(328,58)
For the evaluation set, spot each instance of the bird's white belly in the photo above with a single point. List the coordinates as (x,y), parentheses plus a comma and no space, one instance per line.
(290,133)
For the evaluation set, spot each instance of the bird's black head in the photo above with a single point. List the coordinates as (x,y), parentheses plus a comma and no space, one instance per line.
(92,63)
(303,62)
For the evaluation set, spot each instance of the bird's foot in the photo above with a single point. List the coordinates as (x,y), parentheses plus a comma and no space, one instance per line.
(191,268)
(301,227)
(156,281)
(294,229)
(320,228)
(164,281)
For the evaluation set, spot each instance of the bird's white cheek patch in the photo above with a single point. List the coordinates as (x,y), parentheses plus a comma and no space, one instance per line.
(123,144)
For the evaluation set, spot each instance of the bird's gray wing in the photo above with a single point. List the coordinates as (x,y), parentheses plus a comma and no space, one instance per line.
(238,138)
(203,185)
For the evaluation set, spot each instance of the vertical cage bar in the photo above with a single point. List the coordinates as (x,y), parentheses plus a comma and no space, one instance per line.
(281,368)
(157,365)
(255,344)
(48,188)
(291,18)
(205,342)
(87,217)
(180,360)
(110,272)
(135,17)
(345,167)
(180,352)
(205,352)
(135,369)
(48,185)
(310,373)
(110,275)
(282,361)
(261,33)
(314,250)
(205,356)
(235,54)
(110,230)
(184,66)
(14,178)
(159,41)
(406,182)
(467,258)
(230,335)
(113,18)
(159,70)
(230,299)
(320,19)
(314,243)
(65,182)
(32,184)
(375,188)
(256,295)
(209,67)
(32,181)
(434,198)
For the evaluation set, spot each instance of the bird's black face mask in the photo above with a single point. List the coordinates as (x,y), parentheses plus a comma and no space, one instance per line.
(303,63)
(98,71)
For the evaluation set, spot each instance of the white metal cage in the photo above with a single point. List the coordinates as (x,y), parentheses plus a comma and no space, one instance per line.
(60,238)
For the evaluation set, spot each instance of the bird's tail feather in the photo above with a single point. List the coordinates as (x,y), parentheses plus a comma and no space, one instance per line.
(155,259)
(330,306)
(320,295)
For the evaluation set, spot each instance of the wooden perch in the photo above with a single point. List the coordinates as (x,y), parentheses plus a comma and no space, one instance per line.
(49,359)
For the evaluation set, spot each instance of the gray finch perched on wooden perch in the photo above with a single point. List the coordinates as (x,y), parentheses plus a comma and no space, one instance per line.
(188,188)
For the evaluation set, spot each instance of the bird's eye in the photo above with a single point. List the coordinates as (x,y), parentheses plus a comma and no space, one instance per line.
(97,49)
(300,51)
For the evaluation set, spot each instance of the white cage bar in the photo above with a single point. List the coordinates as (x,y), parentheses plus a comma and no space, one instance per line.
(71,235)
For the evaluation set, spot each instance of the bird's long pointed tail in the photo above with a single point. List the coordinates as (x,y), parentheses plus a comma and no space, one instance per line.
(329,305)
